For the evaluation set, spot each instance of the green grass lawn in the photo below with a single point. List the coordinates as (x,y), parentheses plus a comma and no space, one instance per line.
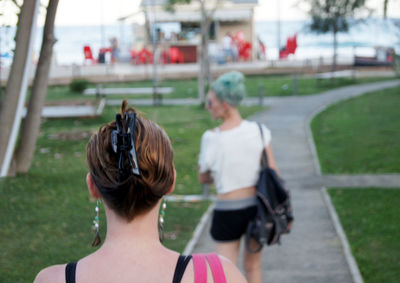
(372,226)
(46,215)
(360,135)
(273,86)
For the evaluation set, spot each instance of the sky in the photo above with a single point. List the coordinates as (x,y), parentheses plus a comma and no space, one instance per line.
(95,12)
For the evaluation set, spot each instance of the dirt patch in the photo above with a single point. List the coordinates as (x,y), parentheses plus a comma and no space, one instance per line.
(71,136)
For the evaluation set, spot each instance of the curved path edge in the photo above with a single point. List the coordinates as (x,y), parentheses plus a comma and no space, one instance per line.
(355,272)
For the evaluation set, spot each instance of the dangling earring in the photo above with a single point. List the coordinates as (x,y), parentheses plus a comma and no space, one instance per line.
(161,220)
(97,239)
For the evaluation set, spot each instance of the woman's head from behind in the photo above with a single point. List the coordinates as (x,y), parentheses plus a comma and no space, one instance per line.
(126,193)
(228,90)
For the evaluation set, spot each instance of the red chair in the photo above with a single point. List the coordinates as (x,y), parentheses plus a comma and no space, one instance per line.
(145,56)
(263,50)
(172,56)
(175,56)
(283,53)
(291,44)
(245,50)
(88,54)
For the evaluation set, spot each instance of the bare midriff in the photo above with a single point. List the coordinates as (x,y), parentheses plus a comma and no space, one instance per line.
(239,193)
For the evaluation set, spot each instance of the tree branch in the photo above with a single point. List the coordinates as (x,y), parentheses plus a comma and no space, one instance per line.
(16,4)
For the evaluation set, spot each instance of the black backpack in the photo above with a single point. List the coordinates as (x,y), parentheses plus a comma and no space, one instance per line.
(274,210)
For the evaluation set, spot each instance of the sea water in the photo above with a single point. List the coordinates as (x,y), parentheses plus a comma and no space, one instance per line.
(361,39)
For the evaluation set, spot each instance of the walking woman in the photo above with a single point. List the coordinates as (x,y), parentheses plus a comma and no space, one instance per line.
(131,168)
(230,158)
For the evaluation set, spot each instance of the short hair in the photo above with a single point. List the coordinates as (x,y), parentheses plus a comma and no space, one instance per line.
(230,87)
(132,195)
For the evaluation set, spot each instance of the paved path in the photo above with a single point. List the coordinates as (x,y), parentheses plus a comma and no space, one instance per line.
(313,251)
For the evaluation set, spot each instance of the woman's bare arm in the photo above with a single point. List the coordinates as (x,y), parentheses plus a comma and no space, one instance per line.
(271,159)
(51,274)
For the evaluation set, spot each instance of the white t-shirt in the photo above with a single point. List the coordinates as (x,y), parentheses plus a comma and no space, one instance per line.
(233,156)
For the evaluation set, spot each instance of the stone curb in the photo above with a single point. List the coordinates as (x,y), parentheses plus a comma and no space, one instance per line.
(354,270)
(189,198)
(310,138)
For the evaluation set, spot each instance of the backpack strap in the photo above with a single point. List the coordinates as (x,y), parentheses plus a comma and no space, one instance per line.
(200,268)
(264,157)
(216,268)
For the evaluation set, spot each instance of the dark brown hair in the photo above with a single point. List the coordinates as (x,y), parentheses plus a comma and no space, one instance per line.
(135,194)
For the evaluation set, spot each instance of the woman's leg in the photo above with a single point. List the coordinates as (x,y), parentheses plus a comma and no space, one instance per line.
(252,265)
(230,250)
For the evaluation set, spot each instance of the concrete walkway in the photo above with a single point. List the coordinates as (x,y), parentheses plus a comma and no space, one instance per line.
(313,251)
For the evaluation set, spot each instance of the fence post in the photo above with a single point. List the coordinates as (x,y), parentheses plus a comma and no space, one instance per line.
(260,94)
(294,84)
(99,90)
(206,191)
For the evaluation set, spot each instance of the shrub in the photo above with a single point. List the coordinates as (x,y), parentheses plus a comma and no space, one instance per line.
(78,85)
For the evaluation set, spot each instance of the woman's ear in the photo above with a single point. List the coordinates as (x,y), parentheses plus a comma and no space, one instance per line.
(173,185)
(93,190)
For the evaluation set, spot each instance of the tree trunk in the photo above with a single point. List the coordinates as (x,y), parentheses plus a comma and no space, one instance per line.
(31,124)
(200,53)
(200,78)
(207,55)
(16,75)
(204,72)
(385,6)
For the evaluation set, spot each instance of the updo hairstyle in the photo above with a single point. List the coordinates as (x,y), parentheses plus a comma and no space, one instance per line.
(132,195)
(230,87)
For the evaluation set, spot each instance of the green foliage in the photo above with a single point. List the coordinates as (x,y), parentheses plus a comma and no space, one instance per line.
(370,218)
(170,4)
(333,15)
(178,227)
(78,85)
(360,135)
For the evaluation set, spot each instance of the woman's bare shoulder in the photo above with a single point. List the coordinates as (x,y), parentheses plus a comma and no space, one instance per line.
(232,273)
(54,273)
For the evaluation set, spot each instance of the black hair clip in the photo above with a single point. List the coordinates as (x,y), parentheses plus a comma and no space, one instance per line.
(124,141)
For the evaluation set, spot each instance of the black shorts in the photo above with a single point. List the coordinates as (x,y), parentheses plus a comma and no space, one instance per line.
(230,225)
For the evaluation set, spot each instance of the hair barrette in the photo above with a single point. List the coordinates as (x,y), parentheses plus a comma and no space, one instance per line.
(124,141)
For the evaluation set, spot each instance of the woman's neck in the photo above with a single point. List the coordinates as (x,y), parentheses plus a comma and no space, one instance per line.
(141,232)
(231,120)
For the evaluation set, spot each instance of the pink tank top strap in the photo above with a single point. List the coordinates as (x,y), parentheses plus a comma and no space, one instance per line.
(216,268)
(200,268)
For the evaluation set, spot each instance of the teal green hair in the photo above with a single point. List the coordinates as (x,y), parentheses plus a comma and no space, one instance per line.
(230,87)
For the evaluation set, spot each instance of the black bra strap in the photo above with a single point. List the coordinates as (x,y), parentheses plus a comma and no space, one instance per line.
(181,267)
(70,271)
